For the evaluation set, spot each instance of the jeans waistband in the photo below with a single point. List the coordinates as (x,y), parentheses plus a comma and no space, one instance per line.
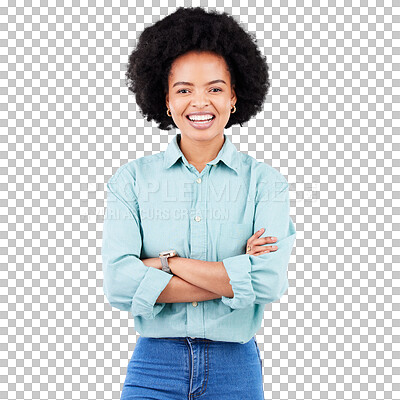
(193,339)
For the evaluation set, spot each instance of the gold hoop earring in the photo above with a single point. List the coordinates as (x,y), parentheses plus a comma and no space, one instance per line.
(168,111)
(234,109)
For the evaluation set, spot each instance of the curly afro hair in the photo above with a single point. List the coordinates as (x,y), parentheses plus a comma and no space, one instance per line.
(189,29)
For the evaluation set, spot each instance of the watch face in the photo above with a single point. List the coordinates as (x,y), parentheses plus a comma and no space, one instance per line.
(168,253)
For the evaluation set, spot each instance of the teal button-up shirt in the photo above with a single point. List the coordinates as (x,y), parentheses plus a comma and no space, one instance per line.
(161,202)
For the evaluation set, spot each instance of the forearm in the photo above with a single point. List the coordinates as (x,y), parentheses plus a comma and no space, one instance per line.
(180,291)
(208,275)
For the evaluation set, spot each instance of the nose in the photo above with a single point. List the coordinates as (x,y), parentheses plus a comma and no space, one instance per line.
(200,100)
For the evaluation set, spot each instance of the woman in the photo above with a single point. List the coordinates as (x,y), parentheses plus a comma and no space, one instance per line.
(196,239)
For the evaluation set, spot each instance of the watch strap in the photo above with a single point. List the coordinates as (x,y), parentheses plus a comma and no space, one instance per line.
(164,264)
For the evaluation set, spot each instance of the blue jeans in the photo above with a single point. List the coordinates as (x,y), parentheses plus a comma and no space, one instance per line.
(186,368)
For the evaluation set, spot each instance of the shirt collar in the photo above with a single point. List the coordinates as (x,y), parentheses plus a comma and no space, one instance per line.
(228,154)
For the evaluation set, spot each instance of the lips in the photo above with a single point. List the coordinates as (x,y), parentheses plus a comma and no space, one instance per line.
(199,124)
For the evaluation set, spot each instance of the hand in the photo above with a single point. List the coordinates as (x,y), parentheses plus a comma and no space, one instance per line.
(255,244)
(154,262)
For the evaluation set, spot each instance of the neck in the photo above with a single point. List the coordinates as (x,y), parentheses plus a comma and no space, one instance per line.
(200,152)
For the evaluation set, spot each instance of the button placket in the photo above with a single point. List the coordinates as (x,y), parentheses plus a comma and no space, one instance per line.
(194,309)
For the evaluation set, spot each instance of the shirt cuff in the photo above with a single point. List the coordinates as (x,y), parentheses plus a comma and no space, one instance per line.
(239,272)
(151,286)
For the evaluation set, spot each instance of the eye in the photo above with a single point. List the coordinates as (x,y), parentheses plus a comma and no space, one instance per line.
(180,91)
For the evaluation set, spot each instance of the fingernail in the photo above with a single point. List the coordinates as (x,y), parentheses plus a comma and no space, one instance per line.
(274,238)
(261,229)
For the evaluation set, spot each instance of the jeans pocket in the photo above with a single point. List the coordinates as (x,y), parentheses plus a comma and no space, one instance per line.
(258,353)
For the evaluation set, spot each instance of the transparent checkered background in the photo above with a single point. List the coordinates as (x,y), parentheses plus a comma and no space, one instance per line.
(329,126)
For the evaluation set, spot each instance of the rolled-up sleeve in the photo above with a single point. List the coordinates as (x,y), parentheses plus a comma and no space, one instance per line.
(128,283)
(263,279)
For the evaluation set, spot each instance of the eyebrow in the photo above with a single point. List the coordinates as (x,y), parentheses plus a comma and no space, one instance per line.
(191,84)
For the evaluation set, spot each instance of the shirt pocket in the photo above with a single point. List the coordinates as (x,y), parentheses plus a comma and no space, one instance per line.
(229,229)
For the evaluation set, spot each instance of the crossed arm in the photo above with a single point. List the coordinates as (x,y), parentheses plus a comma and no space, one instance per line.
(180,291)
(197,280)
(193,280)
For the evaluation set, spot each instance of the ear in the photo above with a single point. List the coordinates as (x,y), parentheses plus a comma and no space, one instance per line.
(233,97)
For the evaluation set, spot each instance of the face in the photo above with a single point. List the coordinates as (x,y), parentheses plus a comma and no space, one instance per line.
(191,90)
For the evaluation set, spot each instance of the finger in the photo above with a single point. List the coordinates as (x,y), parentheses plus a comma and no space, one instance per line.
(256,250)
(268,248)
(264,240)
(259,253)
(257,234)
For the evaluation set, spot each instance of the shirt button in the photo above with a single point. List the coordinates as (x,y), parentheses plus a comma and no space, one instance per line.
(198,180)
(197,218)
(194,303)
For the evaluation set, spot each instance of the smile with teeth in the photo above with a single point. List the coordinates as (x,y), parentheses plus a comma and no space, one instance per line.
(200,119)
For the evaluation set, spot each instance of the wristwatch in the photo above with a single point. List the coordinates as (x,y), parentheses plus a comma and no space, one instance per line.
(164,255)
